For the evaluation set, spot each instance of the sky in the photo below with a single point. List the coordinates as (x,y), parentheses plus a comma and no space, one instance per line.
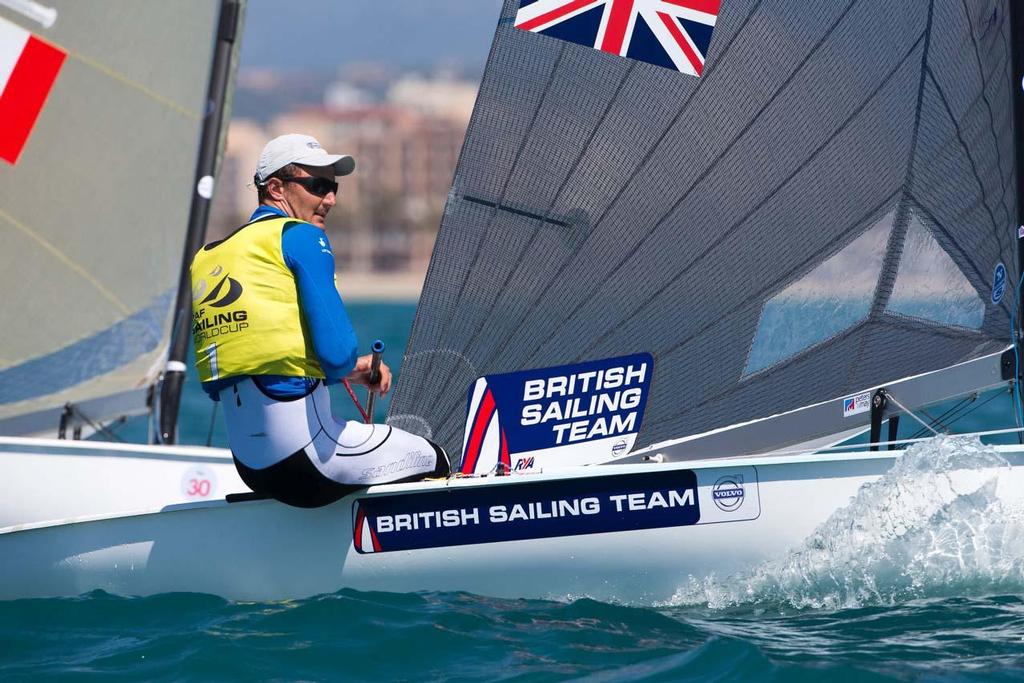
(321,34)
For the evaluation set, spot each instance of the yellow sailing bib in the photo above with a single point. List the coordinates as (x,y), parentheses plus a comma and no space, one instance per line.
(245,308)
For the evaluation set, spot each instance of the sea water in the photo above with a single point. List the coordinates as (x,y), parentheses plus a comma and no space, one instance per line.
(919,577)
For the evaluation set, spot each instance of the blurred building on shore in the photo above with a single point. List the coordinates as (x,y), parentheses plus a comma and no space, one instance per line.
(405,135)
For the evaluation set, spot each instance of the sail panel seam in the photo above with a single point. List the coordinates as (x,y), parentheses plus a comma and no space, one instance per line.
(901,220)
(450,318)
(970,158)
(984,91)
(885,321)
(784,279)
(903,321)
(711,70)
(124,80)
(778,92)
(71,264)
(554,201)
(781,366)
(966,257)
(735,225)
(914,46)
(894,250)
(543,218)
(419,318)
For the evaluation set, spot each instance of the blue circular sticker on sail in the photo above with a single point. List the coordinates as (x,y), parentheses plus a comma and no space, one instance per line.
(998,283)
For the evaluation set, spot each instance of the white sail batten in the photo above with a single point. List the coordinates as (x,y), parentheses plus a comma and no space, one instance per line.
(94,208)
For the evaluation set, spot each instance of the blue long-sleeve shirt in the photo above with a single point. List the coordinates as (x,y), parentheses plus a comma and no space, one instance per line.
(307,253)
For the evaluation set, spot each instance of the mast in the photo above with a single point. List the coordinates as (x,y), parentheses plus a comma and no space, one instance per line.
(1017,84)
(174,372)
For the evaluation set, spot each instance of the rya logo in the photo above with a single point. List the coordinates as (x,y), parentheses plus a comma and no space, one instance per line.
(524,464)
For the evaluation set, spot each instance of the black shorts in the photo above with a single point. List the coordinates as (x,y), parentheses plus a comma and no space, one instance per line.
(297,482)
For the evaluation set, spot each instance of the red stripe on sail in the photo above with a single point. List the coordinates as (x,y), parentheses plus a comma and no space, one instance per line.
(618,23)
(357,531)
(25,94)
(476,438)
(553,15)
(678,36)
(505,459)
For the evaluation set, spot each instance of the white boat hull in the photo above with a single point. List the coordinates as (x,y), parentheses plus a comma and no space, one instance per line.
(49,480)
(262,550)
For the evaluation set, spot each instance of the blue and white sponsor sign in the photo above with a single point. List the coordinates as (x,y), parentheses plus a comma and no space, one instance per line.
(554,417)
(859,403)
(998,283)
(554,508)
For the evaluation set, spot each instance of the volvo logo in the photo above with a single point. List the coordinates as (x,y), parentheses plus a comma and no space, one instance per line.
(728,492)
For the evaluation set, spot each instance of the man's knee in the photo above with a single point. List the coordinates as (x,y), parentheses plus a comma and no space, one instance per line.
(443,470)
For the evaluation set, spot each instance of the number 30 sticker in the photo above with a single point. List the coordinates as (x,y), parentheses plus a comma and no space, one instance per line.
(199,482)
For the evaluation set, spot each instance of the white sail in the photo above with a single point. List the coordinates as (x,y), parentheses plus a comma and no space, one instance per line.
(94,209)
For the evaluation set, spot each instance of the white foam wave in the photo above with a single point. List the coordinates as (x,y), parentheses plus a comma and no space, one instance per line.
(946,520)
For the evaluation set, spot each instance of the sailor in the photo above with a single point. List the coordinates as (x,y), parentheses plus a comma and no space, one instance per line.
(271,332)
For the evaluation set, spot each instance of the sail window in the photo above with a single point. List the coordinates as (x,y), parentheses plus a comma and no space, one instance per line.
(930,286)
(833,297)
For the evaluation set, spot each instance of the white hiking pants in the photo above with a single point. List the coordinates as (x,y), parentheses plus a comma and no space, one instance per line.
(264,431)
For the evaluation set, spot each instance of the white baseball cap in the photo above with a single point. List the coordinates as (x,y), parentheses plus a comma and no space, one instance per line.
(299,149)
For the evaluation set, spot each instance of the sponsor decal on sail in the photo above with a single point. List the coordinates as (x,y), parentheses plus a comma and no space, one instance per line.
(28,70)
(998,283)
(674,34)
(566,415)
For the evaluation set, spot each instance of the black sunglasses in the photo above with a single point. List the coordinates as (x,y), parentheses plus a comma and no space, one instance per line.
(314,185)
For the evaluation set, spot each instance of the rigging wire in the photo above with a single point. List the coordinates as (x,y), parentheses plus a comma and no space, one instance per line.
(98,428)
(945,420)
(909,412)
(963,409)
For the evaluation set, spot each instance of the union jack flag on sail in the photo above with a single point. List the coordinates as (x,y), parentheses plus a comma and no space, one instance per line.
(671,33)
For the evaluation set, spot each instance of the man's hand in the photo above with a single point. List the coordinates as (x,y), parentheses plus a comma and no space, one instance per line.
(361,374)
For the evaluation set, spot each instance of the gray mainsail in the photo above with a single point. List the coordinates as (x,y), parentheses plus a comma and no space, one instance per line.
(95,210)
(829,207)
